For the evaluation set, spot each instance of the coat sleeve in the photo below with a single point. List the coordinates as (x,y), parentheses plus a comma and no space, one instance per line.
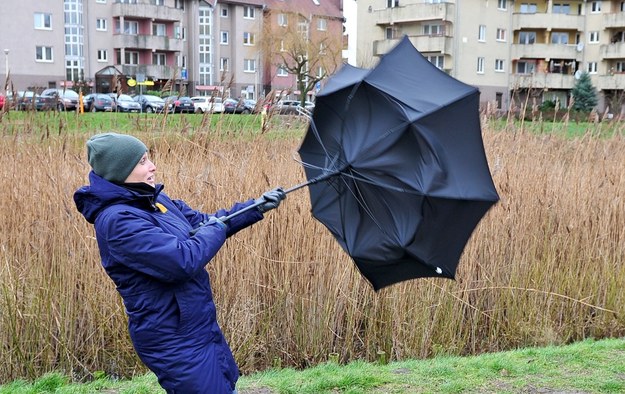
(134,241)
(235,225)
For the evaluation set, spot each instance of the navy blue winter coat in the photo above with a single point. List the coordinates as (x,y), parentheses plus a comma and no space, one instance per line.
(159,271)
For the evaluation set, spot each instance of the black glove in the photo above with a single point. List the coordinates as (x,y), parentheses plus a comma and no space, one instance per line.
(271,199)
(212,221)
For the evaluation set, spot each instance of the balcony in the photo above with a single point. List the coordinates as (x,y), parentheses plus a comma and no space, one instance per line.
(545,51)
(439,44)
(609,82)
(159,43)
(542,81)
(615,20)
(613,51)
(547,21)
(147,11)
(151,71)
(414,13)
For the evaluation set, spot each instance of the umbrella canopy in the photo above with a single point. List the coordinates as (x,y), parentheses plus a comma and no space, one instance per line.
(396,167)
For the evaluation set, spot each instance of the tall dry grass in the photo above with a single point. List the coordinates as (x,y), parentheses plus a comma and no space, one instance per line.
(545,266)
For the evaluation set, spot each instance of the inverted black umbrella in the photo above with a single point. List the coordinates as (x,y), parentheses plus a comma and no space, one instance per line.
(396,168)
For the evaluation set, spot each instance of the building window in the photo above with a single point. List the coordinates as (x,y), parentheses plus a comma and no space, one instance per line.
(499,65)
(249,65)
(499,99)
(523,67)
(527,37)
(130,27)
(480,65)
(561,8)
(528,8)
(302,27)
(595,7)
(593,37)
(392,3)
(433,30)
(159,29)
(282,72)
(158,2)
(501,34)
(481,34)
(620,67)
(101,1)
(43,54)
(223,38)
(248,12)
(283,20)
(592,68)
(179,4)
(223,64)
(100,24)
(322,24)
(249,38)
(559,38)
(159,59)
(72,70)
(502,5)
(103,55)
(390,33)
(622,6)
(43,21)
(438,61)
(131,57)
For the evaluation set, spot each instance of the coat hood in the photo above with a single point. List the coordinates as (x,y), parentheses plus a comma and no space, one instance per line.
(99,194)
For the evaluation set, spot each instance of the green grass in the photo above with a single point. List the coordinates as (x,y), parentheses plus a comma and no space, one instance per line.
(53,122)
(570,129)
(588,366)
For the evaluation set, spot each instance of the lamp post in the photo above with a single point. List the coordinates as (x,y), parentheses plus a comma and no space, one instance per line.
(6,64)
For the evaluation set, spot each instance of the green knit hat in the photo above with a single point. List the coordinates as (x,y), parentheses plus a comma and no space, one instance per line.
(113,156)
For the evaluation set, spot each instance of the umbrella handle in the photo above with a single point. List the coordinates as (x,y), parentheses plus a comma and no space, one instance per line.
(287,191)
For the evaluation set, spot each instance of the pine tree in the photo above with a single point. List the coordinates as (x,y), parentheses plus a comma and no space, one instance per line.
(584,94)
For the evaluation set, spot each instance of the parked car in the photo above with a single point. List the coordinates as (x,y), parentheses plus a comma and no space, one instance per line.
(27,100)
(208,104)
(293,107)
(125,103)
(2,100)
(98,102)
(66,99)
(179,104)
(242,106)
(150,103)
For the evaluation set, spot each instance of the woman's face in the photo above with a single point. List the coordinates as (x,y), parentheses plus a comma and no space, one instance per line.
(143,172)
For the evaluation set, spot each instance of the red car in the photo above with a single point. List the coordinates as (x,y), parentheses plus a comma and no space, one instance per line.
(1,101)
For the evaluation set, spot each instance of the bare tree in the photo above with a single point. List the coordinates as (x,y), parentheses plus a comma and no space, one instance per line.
(291,45)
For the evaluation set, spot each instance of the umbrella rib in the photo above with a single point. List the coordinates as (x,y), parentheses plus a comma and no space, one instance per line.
(361,201)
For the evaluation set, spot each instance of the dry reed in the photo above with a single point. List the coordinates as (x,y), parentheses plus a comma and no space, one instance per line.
(545,266)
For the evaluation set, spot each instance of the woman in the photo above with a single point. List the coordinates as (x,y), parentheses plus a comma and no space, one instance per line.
(155,249)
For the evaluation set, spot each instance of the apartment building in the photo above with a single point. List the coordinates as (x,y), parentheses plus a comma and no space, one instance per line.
(194,46)
(296,30)
(513,51)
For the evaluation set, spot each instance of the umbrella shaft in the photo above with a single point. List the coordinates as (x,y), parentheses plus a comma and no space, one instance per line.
(320,178)
(287,191)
